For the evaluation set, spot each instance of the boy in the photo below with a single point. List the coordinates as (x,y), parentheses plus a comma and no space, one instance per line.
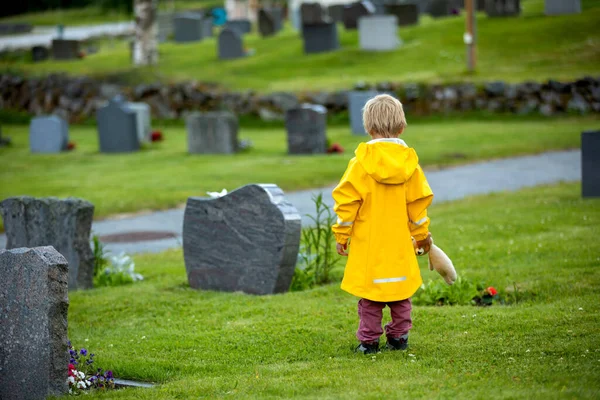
(381,202)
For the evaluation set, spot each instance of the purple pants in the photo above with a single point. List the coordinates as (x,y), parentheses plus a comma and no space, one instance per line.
(370,314)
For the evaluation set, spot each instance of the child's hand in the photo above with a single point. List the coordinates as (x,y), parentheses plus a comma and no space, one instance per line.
(425,244)
(342,249)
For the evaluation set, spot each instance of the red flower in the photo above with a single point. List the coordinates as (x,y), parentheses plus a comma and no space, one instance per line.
(335,148)
(81,54)
(71,366)
(491,291)
(71,146)
(156,136)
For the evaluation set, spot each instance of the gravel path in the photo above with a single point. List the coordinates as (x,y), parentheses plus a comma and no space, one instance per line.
(448,184)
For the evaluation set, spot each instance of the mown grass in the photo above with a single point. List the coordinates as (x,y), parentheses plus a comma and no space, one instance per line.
(164,175)
(530,47)
(198,344)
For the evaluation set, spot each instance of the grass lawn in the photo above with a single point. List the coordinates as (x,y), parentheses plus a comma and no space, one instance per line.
(163,175)
(531,47)
(198,344)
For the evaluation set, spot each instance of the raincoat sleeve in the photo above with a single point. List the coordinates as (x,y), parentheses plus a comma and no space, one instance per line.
(418,198)
(347,202)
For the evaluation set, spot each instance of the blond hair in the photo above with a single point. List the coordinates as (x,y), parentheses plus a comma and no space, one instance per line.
(383,116)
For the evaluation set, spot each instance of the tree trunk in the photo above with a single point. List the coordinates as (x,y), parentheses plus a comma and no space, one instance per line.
(145,46)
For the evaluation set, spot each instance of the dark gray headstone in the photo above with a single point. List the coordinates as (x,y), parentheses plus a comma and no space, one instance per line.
(247,241)
(379,6)
(590,164)
(230,45)
(166,26)
(34,302)
(188,27)
(439,8)
(39,53)
(242,26)
(502,8)
(306,128)
(11,29)
(319,38)
(352,12)
(356,103)
(65,224)
(313,13)
(63,49)
(336,12)
(48,134)
(270,21)
(561,7)
(207,27)
(212,133)
(407,14)
(117,127)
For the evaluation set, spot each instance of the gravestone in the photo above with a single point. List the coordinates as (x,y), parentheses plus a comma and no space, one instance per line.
(212,133)
(502,8)
(561,7)
(39,53)
(407,14)
(269,21)
(166,26)
(336,12)
(313,13)
(48,135)
(352,12)
(306,127)
(11,29)
(117,127)
(34,303)
(356,103)
(439,8)
(230,45)
(379,6)
(188,27)
(242,26)
(63,223)
(320,38)
(247,241)
(206,27)
(590,164)
(143,127)
(64,49)
(378,33)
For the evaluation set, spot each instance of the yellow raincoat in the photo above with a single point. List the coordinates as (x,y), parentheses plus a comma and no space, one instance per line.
(381,202)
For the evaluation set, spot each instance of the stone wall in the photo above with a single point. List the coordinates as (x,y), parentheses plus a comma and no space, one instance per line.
(77,99)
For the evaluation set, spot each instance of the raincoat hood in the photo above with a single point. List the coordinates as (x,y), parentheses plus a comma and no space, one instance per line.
(388,161)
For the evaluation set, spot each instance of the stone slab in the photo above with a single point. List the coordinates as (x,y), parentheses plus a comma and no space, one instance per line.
(166,25)
(230,45)
(188,27)
(439,8)
(143,124)
(306,127)
(503,8)
(336,12)
(378,33)
(49,134)
(352,12)
(562,7)
(242,26)
(270,21)
(590,163)
(117,127)
(313,13)
(64,224)
(212,133)
(39,53)
(406,13)
(247,241)
(65,49)
(320,38)
(34,303)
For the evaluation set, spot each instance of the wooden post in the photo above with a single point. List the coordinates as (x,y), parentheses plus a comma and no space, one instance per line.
(470,37)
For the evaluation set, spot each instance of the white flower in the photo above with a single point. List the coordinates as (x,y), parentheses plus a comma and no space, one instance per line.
(81,385)
(71,380)
(88,383)
(81,375)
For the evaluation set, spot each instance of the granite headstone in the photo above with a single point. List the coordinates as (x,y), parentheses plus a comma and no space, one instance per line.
(356,103)
(306,127)
(242,26)
(166,26)
(65,49)
(590,164)
(502,8)
(39,53)
(143,126)
(230,45)
(378,33)
(270,21)
(439,8)
(336,12)
(63,223)
(406,13)
(247,241)
(188,27)
(313,13)
(117,127)
(48,134)
(320,38)
(352,12)
(212,133)
(561,7)
(34,303)
(206,27)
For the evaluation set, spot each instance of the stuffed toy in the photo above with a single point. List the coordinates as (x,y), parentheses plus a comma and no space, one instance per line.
(439,261)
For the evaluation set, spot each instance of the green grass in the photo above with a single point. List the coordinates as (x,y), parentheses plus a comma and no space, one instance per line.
(163,175)
(199,344)
(531,47)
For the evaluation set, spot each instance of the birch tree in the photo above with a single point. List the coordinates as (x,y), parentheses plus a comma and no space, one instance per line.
(145,45)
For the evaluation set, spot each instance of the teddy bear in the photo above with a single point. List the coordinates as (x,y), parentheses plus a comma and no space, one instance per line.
(439,261)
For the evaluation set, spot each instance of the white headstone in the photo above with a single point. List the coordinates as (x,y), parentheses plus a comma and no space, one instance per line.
(142,111)
(378,32)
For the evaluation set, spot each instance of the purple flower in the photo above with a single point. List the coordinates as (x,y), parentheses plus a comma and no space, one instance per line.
(109,375)
(83,352)
(69,343)
(92,355)
(72,353)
